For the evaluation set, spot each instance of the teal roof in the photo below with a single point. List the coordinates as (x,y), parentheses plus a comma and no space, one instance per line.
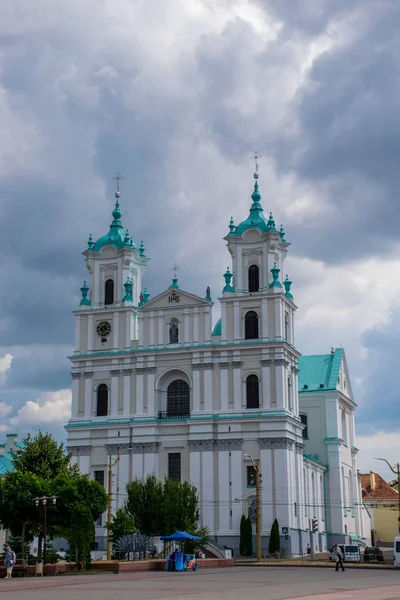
(217,328)
(256,219)
(116,236)
(6,460)
(320,372)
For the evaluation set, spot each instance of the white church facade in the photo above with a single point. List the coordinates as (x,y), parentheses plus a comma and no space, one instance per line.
(154,383)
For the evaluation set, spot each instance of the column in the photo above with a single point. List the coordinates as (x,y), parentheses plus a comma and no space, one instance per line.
(196,387)
(280,378)
(186,327)
(152,336)
(264,319)
(237,385)
(265,383)
(75,395)
(208,387)
(207,326)
(137,463)
(88,409)
(195,325)
(139,390)
(128,330)
(223,487)
(161,328)
(84,460)
(150,459)
(224,329)
(141,330)
(116,331)
(77,333)
(236,322)
(90,334)
(238,278)
(207,482)
(224,366)
(151,380)
(127,392)
(123,479)
(278,320)
(282,484)
(267,486)
(298,456)
(237,483)
(114,392)
(194,465)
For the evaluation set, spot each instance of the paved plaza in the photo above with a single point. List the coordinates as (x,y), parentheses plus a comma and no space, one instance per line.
(220,584)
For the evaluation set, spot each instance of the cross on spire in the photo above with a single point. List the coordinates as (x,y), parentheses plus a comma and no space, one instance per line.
(175,268)
(256,156)
(118,178)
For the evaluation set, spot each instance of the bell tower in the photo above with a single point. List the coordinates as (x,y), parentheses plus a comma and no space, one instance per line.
(107,317)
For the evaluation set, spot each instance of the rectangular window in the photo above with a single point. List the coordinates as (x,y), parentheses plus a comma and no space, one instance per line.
(304,420)
(295,509)
(251,476)
(174,466)
(99,477)
(99,521)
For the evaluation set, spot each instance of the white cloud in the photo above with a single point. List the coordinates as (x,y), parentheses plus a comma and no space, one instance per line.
(5,410)
(51,408)
(5,364)
(379,445)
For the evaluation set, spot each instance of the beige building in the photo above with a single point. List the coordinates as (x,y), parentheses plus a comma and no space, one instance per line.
(382,501)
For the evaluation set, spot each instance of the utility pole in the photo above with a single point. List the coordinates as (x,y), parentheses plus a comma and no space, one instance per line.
(111,464)
(256,467)
(396,472)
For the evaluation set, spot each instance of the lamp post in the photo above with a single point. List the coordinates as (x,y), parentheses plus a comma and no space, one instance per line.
(111,464)
(396,472)
(256,467)
(43,501)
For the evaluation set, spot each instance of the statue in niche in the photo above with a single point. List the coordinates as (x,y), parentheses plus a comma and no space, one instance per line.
(173,332)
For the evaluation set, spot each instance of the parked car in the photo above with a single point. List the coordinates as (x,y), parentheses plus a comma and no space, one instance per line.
(350,553)
(373,554)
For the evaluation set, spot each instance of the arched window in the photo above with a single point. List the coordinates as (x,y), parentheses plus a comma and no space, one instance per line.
(109,291)
(252,392)
(102,401)
(174,331)
(254,278)
(178,399)
(251,325)
(289,393)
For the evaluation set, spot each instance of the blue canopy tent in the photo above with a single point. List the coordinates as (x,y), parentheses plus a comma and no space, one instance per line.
(179,536)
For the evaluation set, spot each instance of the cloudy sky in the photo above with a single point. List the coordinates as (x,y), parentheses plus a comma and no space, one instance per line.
(177,95)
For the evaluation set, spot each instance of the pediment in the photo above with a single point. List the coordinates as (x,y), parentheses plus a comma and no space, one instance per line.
(175,298)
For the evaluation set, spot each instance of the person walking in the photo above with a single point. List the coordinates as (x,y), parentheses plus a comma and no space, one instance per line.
(9,561)
(337,553)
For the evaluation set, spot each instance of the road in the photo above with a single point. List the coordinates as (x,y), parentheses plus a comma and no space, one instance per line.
(238,583)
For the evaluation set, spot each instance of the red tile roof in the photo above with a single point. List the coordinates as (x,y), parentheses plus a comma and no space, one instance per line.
(381,491)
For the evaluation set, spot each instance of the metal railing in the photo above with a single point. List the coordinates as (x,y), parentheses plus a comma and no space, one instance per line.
(176,414)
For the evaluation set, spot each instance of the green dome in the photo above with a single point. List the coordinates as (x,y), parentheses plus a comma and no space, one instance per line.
(116,236)
(217,328)
(256,217)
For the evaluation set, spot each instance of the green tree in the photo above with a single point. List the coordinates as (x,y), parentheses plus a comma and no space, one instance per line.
(81,534)
(160,508)
(43,456)
(122,524)
(246,537)
(274,539)
(144,504)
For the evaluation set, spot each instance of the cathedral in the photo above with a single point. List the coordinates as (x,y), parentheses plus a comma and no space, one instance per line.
(155,384)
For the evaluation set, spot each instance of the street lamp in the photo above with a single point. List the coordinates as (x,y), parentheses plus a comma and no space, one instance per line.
(43,501)
(256,467)
(396,472)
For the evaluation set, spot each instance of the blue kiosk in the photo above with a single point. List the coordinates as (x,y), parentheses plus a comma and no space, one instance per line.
(178,561)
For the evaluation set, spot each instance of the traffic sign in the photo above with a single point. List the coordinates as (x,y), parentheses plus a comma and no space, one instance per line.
(285,530)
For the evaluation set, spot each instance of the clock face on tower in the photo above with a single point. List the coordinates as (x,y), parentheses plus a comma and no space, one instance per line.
(103,330)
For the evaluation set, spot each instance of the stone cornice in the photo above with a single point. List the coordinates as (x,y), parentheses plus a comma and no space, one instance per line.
(237,364)
(127,371)
(75,375)
(115,372)
(275,443)
(266,362)
(79,450)
(232,444)
(197,445)
(145,447)
(88,374)
(224,365)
